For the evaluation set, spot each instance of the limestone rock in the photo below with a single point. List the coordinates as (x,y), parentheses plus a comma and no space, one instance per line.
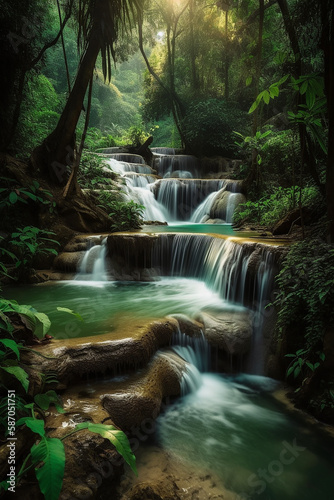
(139,403)
(153,491)
(68,261)
(219,207)
(229,331)
(129,346)
(188,326)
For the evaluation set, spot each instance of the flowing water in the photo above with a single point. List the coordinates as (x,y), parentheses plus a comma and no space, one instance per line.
(228,425)
(105,305)
(232,427)
(179,196)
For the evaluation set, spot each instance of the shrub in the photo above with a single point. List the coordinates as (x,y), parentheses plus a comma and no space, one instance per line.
(125,215)
(306,290)
(271,208)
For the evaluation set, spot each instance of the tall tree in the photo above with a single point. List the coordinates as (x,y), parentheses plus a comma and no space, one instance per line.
(24,40)
(99,22)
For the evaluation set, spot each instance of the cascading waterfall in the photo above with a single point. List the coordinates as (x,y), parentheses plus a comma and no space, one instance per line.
(241,274)
(178,198)
(196,352)
(202,212)
(167,164)
(181,196)
(93,265)
(224,265)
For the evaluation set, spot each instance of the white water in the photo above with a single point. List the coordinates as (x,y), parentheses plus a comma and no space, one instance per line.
(174,199)
(93,264)
(202,212)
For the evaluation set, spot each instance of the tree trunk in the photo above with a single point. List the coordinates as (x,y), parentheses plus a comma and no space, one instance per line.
(55,154)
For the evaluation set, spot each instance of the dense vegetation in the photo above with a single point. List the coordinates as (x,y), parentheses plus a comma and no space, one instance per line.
(248,79)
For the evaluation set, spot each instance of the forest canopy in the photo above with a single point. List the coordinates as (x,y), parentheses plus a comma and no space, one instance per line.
(217,78)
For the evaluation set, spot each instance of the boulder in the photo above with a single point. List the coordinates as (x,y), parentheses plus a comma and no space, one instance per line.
(68,261)
(229,331)
(138,403)
(219,207)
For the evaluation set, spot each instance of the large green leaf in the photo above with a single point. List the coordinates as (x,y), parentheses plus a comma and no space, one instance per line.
(50,476)
(45,400)
(34,424)
(69,311)
(116,437)
(19,373)
(39,323)
(12,345)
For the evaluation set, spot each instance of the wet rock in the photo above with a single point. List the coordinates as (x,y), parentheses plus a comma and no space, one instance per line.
(128,347)
(92,467)
(68,261)
(229,331)
(220,203)
(139,403)
(188,326)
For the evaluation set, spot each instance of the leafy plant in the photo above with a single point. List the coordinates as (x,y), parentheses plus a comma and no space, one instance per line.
(305,300)
(271,208)
(125,215)
(13,194)
(47,455)
(209,124)
(256,142)
(25,245)
(300,362)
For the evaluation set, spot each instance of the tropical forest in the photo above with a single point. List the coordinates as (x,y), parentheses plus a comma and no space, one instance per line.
(167,249)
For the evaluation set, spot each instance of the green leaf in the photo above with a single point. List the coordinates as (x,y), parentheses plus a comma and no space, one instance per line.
(34,424)
(69,311)
(116,437)
(13,197)
(282,80)
(50,476)
(45,400)
(19,373)
(297,371)
(273,91)
(266,97)
(249,81)
(4,485)
(290,370)
(12,345)
(303,87)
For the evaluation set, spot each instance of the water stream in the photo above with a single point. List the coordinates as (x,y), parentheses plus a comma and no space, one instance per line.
(227,424)
(180,196)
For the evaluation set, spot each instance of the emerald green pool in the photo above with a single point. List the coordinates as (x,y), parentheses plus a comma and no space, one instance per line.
(103,305)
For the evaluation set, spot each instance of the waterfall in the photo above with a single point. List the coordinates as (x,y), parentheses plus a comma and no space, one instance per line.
(93,264)
(196,352)
(241,274)
(121,167)
(167,164)
(203,210)
(231,206)
(181,197)
(176,198)
(138,180)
